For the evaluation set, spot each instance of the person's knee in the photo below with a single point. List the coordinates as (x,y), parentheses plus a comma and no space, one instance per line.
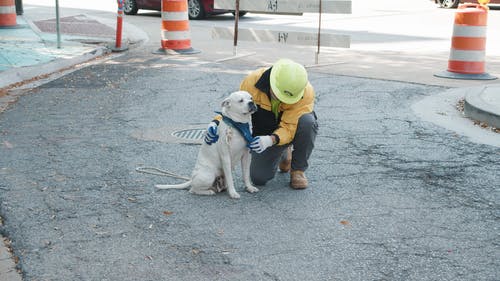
(307,126)
(260,179)
(258,182)
(308,121)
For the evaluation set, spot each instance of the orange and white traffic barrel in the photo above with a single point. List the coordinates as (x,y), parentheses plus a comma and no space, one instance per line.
(7,13)
(175,33)
(468,44)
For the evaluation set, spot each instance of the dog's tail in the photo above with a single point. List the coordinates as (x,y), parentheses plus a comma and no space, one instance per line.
(174,186)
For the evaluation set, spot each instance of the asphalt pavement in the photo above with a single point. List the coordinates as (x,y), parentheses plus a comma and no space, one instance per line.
(403,186)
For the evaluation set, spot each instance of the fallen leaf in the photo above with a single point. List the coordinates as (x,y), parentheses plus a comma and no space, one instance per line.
(345,222)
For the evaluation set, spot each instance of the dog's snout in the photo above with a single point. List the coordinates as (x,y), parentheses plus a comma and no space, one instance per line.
(252,107)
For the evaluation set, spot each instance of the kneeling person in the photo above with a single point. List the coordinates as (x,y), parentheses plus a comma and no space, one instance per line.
(285,118)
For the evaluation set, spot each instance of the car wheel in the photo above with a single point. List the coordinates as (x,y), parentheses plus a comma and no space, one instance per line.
(130,7)
(195,10)
(449,3)
(240,14)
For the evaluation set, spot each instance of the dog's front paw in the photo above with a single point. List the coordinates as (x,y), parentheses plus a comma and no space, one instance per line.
(252,189)
(234,195)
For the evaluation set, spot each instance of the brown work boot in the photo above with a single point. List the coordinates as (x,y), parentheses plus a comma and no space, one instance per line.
(286,163)
(298,180)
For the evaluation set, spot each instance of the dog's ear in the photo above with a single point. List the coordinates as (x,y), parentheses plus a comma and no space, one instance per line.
(226,103)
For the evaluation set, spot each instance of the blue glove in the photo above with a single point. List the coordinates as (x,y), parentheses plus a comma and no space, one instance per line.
(261,143)
(211,135)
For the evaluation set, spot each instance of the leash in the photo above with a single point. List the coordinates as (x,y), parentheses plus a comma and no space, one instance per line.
(159,172)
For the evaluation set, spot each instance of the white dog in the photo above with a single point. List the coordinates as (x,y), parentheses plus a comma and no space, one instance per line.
(213,170)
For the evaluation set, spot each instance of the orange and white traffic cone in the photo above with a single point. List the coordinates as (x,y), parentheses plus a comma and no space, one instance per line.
(175,33)
(468,44)
(7,13)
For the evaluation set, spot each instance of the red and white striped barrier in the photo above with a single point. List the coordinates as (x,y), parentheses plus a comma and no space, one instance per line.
(468,44)
(7,13)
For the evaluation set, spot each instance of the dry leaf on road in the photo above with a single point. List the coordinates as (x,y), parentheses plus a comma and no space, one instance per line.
(345,222)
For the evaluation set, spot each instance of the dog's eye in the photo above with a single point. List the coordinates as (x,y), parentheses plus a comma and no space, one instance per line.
(241,100)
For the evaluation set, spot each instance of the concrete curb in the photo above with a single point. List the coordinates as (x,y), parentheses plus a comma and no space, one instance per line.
(441,109)
(483,104)
(8,270)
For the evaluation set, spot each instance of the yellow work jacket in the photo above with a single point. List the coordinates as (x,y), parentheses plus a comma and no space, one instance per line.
(264,121)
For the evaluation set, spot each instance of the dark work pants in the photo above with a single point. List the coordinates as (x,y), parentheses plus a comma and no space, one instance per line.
(265,165)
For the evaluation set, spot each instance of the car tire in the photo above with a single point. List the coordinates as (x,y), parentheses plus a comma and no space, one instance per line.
(195,10)
(240,14)
(130,7)
(449,4)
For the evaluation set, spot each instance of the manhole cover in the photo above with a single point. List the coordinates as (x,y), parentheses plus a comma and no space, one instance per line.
(189,134)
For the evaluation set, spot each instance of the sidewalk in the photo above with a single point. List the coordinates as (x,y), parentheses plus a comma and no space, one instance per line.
(25,48)
(29,52)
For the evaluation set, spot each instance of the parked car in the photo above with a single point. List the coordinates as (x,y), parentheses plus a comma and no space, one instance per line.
(197,9)
(454,3)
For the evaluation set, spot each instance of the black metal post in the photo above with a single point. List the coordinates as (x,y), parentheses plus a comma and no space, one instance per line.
(236,20)
(19,7)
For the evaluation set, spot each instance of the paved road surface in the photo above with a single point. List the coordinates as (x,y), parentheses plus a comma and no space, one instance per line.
(391,197)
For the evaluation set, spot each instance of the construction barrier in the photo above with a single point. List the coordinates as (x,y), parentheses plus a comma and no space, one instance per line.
(468,44)
(293,7)
(7,13)
(175,34)
(288,36)
(283,37)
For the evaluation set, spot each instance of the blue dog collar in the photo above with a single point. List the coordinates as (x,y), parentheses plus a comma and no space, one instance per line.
(243,128)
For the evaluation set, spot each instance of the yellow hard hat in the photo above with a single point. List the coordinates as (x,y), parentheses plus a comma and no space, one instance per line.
(288,81)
